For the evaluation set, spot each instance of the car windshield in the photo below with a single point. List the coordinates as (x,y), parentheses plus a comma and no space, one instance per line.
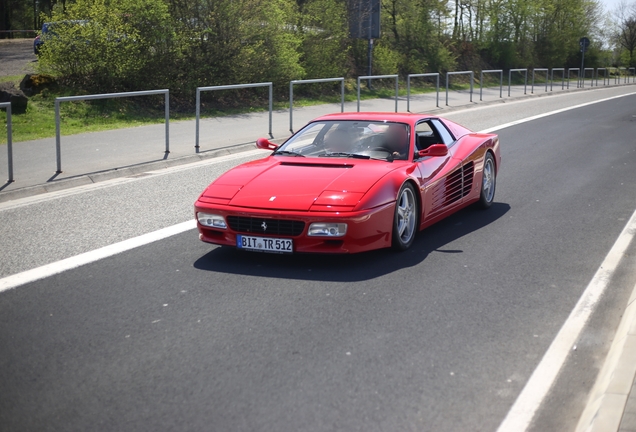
(350,139)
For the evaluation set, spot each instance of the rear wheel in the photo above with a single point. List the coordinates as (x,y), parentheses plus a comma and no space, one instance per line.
(488,182)
(405,218)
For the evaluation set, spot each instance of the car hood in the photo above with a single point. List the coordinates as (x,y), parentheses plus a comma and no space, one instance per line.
(288,184)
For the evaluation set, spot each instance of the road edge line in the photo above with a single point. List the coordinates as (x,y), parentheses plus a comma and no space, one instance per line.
(54,268)
(544,375)
(608,398)
(538,116)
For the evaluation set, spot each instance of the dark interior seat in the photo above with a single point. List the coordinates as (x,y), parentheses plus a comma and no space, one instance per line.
(424,141)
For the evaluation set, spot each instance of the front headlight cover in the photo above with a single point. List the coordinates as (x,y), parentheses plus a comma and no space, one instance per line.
(327,229)
(211,220)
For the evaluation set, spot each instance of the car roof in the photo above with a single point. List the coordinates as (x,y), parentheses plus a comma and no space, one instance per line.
(376,116)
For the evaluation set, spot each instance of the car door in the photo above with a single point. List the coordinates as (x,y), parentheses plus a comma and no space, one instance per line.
(442,178)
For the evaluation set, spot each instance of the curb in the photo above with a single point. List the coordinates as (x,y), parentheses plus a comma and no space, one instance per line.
(606,404)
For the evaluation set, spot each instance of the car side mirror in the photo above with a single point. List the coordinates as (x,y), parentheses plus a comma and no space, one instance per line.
(434,150)
(265,144)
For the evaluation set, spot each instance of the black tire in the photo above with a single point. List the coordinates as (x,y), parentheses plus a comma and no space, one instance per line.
(405,218)
(488,182)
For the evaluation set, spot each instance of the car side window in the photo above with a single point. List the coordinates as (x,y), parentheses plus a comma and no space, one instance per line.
(425,135)
(446,136)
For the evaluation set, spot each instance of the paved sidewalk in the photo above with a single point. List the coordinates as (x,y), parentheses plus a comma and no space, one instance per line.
(612,402)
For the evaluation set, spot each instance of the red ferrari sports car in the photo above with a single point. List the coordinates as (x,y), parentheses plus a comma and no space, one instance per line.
(350,182)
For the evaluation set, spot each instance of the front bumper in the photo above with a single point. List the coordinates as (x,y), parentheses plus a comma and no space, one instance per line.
(366,230)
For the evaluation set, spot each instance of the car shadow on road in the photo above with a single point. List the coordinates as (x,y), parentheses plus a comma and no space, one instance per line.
(351,268)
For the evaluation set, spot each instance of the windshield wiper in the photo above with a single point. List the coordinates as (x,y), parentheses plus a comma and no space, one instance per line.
(349,155)
(287,153)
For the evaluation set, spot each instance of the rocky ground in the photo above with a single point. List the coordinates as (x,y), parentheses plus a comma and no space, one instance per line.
(17,57)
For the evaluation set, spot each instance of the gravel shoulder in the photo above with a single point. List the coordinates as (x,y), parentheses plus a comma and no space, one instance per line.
(16,57)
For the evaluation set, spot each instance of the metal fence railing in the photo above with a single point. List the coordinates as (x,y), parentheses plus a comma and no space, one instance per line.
(312,81)
(481,81)
(408,87)
(58,147)
(472,78)
(546,78)
(525,82)
(231,87)
(7,105)
(604,75)
(372,77)
(578,76)
(583,75)
(628,75)
(562,77)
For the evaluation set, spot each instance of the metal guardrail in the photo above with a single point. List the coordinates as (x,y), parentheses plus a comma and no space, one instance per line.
(525,83)
(633,69)
(408,87)
(481,81)
(546,78)
(604,75)
(312,81)
(583,77)
(372,77)
(7,105)
(231,87)
(58,146)
(577,77)
(562,77)
(609,71)
(472,78)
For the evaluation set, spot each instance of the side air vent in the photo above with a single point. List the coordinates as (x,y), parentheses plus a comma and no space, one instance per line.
(454,187)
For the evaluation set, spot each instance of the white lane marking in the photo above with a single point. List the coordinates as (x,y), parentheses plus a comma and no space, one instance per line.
(543,377)
(538,116)
(45,271)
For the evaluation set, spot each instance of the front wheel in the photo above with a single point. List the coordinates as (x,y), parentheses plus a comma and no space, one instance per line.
(405,218)
(488,182)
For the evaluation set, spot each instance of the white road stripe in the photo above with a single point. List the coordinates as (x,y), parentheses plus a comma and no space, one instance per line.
(527,119)
(543,377)
(45,271)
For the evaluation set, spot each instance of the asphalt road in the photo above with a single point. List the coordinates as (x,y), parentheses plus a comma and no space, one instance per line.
(180,335)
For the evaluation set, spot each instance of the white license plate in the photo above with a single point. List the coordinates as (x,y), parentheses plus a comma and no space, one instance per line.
(264,244)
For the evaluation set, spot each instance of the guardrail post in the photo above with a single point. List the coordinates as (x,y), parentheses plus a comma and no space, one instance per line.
(58,146)
(472,78)
(525,83)
(271,108)
(312,81)
(7,105)
(546,78)
(371,77)
(167,112)
(196,121)
(562,78)
(291,106)
(230,87)
(481,81)
(408,88)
